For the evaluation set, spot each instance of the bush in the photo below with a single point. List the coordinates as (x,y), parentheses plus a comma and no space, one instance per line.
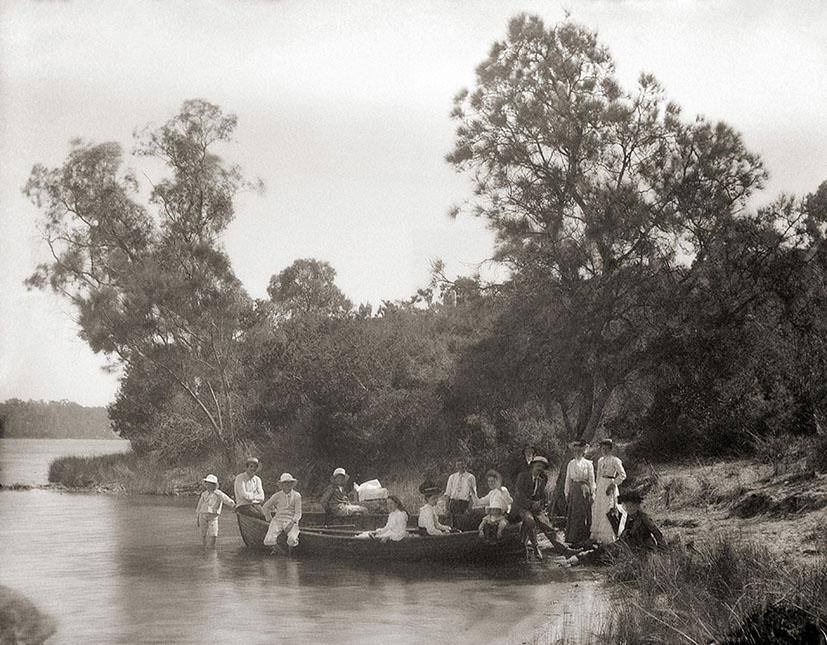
(180,439)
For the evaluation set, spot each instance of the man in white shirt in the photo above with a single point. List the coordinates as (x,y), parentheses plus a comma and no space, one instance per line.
(249,491)
(461,485)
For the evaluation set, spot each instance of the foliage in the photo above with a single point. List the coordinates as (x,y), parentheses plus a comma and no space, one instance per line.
(53,419)
(150,282)
(308,287)
(595,194)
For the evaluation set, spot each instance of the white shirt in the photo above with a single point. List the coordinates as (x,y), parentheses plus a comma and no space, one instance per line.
(396,527)
(498,495)
(611,468)
(460,486)
(429,520)
(285,507)
(579,469)
(212,502)
(248,490)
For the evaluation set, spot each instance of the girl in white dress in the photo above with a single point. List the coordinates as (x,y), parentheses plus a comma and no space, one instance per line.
(610,474)
(396,528)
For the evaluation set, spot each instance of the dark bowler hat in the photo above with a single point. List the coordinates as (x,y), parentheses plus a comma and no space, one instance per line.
(428,488)
(608,443)
(633,496)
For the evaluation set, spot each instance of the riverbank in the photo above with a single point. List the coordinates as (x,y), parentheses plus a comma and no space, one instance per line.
(747,538)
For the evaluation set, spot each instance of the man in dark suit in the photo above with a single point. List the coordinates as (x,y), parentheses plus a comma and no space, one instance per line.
(530,501)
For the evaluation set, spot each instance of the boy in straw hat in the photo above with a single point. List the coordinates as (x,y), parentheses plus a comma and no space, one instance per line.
(209,508)
(284,510)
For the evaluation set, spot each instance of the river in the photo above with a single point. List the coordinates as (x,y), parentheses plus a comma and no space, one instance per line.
(119,569)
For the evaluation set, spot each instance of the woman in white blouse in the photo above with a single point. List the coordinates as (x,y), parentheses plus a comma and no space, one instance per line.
(610,475)
(496,492)
(579,490)
(396,528)
(428,522)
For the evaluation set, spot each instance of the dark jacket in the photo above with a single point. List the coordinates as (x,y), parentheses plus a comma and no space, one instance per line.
(527,496)
(333,497)
(641,534)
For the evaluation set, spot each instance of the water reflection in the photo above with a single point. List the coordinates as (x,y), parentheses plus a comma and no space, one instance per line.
(131,569)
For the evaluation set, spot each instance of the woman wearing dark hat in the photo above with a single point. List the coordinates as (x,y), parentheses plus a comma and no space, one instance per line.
(639,534)
(610,474)
(579,491)
(429,523)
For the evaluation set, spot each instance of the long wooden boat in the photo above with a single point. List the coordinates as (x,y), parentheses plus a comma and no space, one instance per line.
(342,543)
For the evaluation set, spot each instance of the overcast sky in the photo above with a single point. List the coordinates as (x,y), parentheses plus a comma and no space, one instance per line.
(343,112)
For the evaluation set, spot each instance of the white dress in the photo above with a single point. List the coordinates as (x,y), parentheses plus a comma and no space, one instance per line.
(609,471)
(395,529)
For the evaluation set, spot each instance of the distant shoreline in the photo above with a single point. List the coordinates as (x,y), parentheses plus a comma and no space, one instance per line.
(112,438)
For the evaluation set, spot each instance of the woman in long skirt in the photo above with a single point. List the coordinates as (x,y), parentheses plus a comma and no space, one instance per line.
(579,490)
(610,475)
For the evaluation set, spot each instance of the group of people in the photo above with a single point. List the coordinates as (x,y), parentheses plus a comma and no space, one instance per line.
(597,526)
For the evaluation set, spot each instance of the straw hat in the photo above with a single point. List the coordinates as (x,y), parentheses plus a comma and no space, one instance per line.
(212,479)
(251,460)
(339,471)
(538,459)
(287,477)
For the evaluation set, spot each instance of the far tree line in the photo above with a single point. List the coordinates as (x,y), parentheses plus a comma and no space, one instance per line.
(648,298)
(53,420)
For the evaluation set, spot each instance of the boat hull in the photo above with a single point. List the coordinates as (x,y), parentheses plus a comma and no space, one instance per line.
(323,542)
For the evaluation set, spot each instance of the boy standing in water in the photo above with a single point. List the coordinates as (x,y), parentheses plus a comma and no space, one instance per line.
(209,508)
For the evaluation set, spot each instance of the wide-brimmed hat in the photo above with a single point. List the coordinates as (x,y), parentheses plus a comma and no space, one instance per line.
(251,460)
(212,479)
(339,471)
(633,496)
(428,488)
(539,459)
(287,477)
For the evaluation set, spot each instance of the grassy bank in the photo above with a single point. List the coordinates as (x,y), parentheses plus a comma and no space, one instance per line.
(716,592)
(135,475)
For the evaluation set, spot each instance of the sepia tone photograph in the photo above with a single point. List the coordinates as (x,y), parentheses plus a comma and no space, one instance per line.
(384,322)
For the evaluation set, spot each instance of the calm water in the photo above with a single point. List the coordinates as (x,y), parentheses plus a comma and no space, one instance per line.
(130,569)
(26,461)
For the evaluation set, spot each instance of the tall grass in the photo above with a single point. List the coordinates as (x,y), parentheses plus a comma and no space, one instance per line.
(701,595)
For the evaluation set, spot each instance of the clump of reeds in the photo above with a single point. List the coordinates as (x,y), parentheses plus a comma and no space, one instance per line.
(137,474)
(690,595)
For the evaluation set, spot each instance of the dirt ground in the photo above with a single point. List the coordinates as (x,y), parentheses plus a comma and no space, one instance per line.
(697,502)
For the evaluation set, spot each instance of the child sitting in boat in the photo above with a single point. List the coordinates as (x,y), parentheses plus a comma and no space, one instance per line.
(429,523)
(495,521)
(209,508)
(283,510)
(396,528)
